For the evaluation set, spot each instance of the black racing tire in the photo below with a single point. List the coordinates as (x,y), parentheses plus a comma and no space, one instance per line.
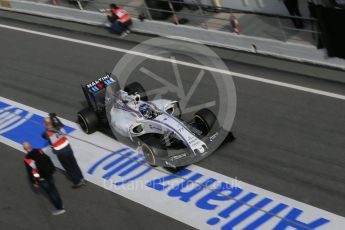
(152,154)
(175,170)
(88,120)
(149,155)
(136,87)
(205,120)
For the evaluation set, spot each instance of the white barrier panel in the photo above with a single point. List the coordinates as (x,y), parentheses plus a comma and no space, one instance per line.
(58,12)
(297,52)
(262,6)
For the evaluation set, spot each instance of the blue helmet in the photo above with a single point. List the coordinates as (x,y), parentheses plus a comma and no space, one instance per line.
(145,109)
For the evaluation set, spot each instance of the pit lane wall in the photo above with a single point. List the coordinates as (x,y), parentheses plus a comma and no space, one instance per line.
(261,6)
(292,51)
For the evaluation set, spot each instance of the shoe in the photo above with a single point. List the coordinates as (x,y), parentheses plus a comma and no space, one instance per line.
(79,184)
(123,34)
(83,181)
(58,212)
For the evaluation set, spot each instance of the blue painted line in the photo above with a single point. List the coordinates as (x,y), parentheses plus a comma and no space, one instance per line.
(267,216)
(157,184)
(207,202)
(244,200)
(12,117)
(262,203)
(118,160)
(30,130)
(148,169)
(108,175)
(102,160)
(186,196)
(3,105)
(130,169)
(294,223)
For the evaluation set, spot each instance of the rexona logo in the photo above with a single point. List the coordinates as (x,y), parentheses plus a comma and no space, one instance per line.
(12,117)
(225,205)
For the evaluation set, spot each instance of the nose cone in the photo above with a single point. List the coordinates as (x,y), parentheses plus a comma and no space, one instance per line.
(199,150)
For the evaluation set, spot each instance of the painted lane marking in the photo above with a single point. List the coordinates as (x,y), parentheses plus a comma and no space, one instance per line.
(174,61)
(10,118)
(24,125)
(7,122)
(173,196)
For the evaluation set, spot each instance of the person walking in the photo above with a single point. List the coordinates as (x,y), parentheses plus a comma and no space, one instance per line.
(60,145)
(40,171)
(292,7)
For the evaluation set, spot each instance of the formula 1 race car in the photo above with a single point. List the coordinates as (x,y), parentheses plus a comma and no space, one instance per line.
(154,126)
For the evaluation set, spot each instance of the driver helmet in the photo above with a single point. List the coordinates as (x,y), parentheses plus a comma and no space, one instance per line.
(146,111)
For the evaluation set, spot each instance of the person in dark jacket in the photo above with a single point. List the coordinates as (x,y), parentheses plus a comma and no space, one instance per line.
(292,6)
(40,171)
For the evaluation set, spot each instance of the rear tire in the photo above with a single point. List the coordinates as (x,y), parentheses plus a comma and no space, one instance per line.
(136,87)
(205,120)
(88,120)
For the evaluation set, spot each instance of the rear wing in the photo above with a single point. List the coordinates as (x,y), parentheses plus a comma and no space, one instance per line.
(99,84)
(95,92)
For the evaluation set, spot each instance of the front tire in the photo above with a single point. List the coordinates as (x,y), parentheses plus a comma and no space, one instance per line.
(153,154)
(205,120)
(149,155)
(88,120)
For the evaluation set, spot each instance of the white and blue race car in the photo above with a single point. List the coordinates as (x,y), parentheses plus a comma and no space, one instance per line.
(155,126)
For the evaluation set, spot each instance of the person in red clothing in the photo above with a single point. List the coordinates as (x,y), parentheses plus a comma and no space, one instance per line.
(40,171)
(55,134)
(119,19)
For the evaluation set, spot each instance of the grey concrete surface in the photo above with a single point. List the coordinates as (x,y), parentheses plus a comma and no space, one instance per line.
(288,142)
(90,207)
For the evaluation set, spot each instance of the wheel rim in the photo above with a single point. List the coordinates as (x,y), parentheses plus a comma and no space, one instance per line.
(149,155)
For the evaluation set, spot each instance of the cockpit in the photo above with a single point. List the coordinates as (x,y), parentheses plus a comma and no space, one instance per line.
(148,111)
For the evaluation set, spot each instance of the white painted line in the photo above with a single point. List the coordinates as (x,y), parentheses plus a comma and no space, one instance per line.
(154,57)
